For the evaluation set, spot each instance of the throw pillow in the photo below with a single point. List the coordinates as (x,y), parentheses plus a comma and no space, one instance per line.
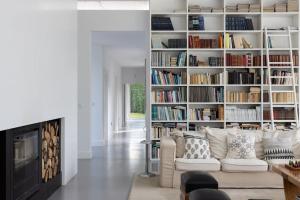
(196,148)
(241,146)
(218,141)
(278,148)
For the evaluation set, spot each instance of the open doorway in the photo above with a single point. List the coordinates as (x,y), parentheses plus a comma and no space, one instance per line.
(135,118)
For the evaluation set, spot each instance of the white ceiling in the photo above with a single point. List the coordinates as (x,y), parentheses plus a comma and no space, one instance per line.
(127,48)
(113,5)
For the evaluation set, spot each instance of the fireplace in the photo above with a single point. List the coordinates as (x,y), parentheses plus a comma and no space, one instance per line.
(32,161)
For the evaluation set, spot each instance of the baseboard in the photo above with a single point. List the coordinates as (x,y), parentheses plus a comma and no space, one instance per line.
(98,143)
(85,155)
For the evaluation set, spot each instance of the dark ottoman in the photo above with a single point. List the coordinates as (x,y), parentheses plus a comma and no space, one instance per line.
(194,180)
(208,194)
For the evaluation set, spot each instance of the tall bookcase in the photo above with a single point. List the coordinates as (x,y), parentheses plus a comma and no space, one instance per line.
(215,25)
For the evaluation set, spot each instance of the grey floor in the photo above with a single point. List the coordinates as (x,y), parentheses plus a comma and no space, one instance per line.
(108,176)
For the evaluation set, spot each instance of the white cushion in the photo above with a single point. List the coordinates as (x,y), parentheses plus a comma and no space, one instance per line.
(197,164)
(244,165)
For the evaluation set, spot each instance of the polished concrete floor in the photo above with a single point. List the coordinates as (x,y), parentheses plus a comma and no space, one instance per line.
(108,176)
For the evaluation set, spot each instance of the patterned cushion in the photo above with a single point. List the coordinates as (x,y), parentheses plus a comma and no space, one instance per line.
(278,148)
(196,148)
(241,146)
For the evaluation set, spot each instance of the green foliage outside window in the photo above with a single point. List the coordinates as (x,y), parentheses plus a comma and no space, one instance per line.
(137,98)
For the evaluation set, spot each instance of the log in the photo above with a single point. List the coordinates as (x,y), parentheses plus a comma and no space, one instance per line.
(47,136)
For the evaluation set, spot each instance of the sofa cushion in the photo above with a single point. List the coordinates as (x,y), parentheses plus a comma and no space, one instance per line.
(240,146)
(180,147)
(244,165)
(278,148)
(197,164)
(196,148)
(218,141)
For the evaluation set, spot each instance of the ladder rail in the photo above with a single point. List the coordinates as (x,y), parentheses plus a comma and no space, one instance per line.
(293,78)
(270,77)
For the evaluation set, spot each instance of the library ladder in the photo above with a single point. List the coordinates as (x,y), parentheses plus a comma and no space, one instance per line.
(287,65)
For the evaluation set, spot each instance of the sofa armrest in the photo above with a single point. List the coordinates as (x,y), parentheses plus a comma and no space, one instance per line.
(296,149)
(167,161)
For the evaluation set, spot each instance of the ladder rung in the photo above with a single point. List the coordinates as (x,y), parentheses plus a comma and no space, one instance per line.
(281,76)
(278,35)
(283,106)
(283,91)
(280,62)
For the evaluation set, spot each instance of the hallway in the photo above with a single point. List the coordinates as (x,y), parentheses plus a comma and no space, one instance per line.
(108,176)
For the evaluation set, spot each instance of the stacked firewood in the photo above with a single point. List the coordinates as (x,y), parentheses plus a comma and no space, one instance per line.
(50,151)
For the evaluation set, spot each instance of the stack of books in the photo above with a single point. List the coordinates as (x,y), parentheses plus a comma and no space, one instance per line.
(176,43)
(165,59)
(206,94)
(281,58)
(238,23)
(204,114)
(156,150)
(280,97)
(165,129)
(243,7)
(196,42)
(244,96)
(168,78)
(243,78)
(254,7)
(167,113)
(161,23)
(292,6)
(269,9)
(280,114)
(194,8)
(231,8)
(196,23)
(234,113)
(236,41)
(280,7)
(212,61)
(207,78)
(239,60)
(169,96)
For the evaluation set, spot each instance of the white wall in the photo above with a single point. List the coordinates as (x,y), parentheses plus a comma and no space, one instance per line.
(89,21)
(38,69)
(97,95)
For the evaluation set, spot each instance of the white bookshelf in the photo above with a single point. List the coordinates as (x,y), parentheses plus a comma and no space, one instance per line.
(215,23)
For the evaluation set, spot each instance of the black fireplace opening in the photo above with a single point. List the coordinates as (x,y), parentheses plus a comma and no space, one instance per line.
(26,174)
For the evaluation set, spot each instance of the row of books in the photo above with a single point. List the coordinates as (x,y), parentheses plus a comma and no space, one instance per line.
(235,77)
(167,59)
(176,43)
(233,113)
(196,42)
(207,78)
(239,60)
(281,58)
(279,97)
(244,96)
(206,114)
(255,7)
(167,113)
(159,77)
(165,129)
(196,22)
(206,94)
(289,6)
(239,23)
(198,8)
(280,114)
(236,41)
(211,61)
(161,23)
(169,96)
(155,150)
(280,80)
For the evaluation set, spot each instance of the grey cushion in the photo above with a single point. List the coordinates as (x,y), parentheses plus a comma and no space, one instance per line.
(278,148)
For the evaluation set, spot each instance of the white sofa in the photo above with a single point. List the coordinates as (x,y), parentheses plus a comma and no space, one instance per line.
(251,176)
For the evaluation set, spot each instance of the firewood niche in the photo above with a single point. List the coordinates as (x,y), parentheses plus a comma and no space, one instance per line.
(50,150)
